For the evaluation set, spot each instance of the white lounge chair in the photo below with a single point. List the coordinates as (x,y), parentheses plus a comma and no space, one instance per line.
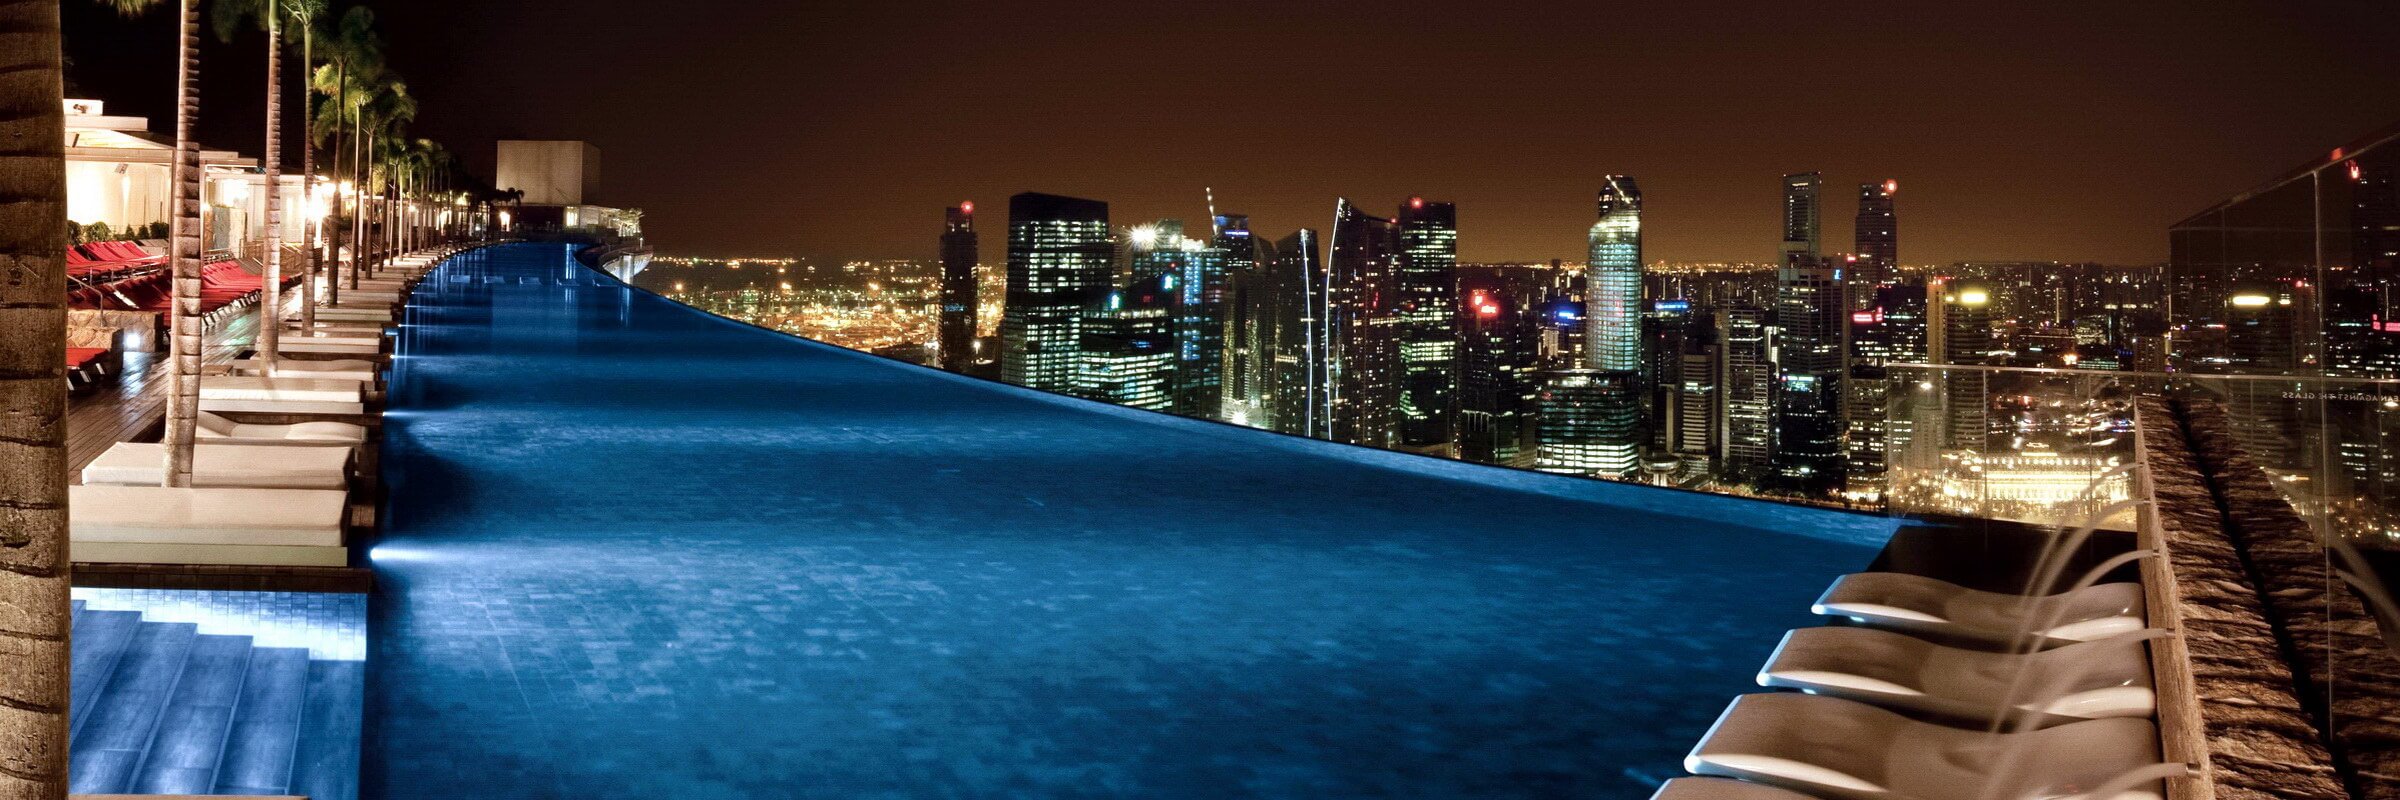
(2101,679)
(331,346)
(283,395)
(359,370)
(1921,605)
(156,525)
(325,313)
(246,466)
(1722,789)
(1845,750)
(217,429)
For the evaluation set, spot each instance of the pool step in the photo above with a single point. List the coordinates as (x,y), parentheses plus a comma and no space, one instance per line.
(159,708)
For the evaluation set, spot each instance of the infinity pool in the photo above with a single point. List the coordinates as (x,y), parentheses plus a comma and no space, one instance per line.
(638,551)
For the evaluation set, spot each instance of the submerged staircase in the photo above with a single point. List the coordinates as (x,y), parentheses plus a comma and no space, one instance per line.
(160,708)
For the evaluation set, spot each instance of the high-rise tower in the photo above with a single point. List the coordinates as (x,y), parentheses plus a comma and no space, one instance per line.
(1612,296)
(1362,329)
(1878,242)
(1428,326)
(1059,266)
(1808,415)
(959,252)
(1803,214)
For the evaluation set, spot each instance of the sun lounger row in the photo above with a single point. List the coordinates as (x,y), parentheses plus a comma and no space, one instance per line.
(101,258)
(263,494)
(2016,698)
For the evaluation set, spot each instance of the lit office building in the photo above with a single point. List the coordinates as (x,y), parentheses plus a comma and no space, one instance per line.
(1877,244)
(1128,347)
(1890,329)
(1666,326)
(1249,331)
(959,253)
(1746,377)
(1361,327)
(1966,340)
(1059,266)
(1294,369)
(1612,279)
(1158,249)
(1696,422)
(1497,378)
(1585,423)
(1429,327)
(1803,214)
(1809,314)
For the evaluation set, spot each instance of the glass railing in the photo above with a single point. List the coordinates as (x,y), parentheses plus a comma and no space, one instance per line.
(2299,515)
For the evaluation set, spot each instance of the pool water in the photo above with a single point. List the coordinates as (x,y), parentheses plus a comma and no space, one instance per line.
(638,551)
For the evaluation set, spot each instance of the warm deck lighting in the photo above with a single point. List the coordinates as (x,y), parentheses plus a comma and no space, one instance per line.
(2251,300)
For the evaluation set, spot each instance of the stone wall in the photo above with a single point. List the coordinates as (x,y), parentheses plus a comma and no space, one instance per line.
(2262,743)
(2348,676)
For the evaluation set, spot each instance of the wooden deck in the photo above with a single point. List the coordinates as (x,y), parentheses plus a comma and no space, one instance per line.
(131,404)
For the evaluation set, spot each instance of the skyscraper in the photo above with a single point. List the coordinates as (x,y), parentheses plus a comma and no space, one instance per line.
(1248,326)
(1581,425)
(1295,365)
(1808,431)
(1496,378)
(1428,325)
(1966,340)
(959,252)
(1128,346)
(1160,248)
(1612,319)
(1890,329)
(1609,404)
(1878,243)
(1059,266)
(1803,214)
(1362,329)
(1747,384)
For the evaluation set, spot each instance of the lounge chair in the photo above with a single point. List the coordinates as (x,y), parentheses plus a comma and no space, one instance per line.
(1926,606)
(156,525)
(226,465)
(2103,679)
(363,371)
(327,345)
(283,395)
(219,430)
(1845,750)
(1723,789)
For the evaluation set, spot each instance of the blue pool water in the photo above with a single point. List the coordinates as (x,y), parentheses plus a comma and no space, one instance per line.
(636,551)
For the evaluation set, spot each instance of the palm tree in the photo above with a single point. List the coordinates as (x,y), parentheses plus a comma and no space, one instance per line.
(183,394)
(229,16)
(353,61)
(34,614)
(304,15)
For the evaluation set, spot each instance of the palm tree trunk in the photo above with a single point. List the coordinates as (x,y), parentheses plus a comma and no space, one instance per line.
(183,395)
(358,217)
(308,179)
(333,271)
(34,614)
(270,291)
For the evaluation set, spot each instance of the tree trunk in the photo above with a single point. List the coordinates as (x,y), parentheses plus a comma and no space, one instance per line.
(270,291)
(333,271)
(34,614)
(313,224)
(358,214)
(183,395)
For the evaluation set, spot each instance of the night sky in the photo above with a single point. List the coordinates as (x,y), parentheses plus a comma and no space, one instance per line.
(2038,130)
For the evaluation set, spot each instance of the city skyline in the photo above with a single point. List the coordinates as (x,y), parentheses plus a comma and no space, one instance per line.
(2047,132)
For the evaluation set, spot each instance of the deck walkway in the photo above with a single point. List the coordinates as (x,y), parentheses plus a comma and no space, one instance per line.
(129,404)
